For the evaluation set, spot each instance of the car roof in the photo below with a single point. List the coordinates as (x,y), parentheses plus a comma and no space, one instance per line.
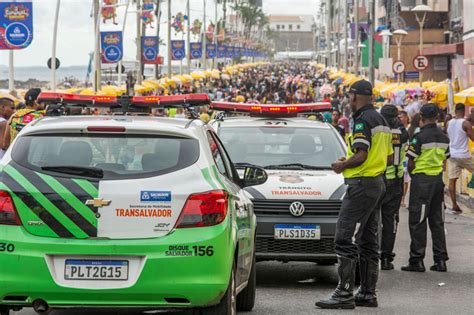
(246,121)
(131,123)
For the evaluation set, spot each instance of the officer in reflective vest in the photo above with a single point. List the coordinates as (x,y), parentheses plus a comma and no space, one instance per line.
(394,186)
(427,154)
(369,148)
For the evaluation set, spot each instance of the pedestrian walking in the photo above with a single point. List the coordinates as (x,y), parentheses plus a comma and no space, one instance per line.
(459,133)
(426,156)
(7,107)
(394,180)
(369,146)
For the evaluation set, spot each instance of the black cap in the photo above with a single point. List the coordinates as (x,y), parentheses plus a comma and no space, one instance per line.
(460,107)
(361,87)
(389,111)
(429,111)
(32,95)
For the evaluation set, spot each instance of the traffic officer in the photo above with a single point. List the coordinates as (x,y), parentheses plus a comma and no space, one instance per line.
(426,156)
(369,147)
(394,186)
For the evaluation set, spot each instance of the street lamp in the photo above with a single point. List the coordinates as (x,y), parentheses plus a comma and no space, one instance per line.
(386,34)
(399,35)
(420,13)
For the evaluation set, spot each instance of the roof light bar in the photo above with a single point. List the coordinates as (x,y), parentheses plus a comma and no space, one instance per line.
(76,99)
(184,100)
(272,109)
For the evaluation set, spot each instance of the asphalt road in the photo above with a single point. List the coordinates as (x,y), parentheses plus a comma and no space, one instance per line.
(293,288)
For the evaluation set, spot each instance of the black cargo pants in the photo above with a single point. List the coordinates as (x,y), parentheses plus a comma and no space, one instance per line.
(357,225)
(390,209)
(426,204)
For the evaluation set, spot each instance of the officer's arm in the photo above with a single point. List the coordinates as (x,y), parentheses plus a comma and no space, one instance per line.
(362,139)
(467,126)
(414,151)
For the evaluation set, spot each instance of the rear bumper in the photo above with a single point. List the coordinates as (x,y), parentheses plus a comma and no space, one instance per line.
(164,280)
(269,248)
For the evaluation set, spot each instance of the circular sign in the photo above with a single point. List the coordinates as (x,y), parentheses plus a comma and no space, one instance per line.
(196,53)
(17,34)
(178,54)
(420,63)
(398,67)
(112,54)
(50,63)
(150,54)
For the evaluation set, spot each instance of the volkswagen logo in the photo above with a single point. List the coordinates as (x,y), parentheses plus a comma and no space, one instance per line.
(297,209)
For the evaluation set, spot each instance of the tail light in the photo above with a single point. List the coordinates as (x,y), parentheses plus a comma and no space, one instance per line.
(8,214)
(204,209)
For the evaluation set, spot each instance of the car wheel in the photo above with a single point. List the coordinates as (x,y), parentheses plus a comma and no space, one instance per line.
(246,298)
(228,304)
(4,311)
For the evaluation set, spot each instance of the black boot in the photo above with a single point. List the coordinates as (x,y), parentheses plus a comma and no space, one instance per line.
(416,267)
(386,264)
(439,266)
(369,274)
(343,295)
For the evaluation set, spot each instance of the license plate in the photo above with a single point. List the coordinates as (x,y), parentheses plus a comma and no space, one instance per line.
(82,269)
(297,231)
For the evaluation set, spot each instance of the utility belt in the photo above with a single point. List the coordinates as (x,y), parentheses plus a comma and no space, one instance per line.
(364,180)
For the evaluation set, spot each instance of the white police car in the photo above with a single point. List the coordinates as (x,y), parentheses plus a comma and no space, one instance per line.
(297,208)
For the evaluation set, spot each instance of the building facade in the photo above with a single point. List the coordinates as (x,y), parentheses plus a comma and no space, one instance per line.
(295,32)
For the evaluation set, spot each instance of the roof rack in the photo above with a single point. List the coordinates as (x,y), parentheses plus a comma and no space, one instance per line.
(59,102)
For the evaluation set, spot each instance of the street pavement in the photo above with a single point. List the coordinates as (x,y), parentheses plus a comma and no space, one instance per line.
(293,288)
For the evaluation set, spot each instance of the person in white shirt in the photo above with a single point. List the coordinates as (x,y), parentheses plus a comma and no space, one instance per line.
(459,132)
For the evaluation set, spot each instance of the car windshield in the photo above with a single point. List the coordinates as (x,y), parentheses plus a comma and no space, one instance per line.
(282,146)
(105,156)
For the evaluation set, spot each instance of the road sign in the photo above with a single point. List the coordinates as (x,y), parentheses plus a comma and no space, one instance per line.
(420,63)
(50,63)
(398,66)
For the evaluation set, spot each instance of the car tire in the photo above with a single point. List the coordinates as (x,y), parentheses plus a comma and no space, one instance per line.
(228,304)
(4,311)
(246,298)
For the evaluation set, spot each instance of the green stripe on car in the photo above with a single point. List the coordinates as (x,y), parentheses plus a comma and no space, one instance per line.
(207,177)
(88,187)
(55,212)
(70,198)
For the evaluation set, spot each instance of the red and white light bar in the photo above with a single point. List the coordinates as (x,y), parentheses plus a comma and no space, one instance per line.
(76,99)
(112,101)
(172,100)
(272,109)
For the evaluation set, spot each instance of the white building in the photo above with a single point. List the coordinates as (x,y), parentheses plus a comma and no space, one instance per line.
(291,23)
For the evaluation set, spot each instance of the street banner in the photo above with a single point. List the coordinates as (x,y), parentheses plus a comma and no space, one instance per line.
(150,50)
(112,46)
(237,52)
(196,50)
(221,51)
(230,52)
(178,50)
(211,51)
(16,24)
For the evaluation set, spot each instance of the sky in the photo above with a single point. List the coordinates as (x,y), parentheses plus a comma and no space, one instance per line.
(76,28)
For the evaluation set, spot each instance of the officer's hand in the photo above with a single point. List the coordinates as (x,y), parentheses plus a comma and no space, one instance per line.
(338,166)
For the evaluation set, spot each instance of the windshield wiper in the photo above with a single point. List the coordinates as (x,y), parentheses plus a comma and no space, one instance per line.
(76,170)
(243,164)
(297,166)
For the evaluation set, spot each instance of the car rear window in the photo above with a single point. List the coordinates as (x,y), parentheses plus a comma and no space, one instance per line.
(119,156)
(282,145)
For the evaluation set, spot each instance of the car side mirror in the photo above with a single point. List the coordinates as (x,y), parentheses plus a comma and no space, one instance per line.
(253,176)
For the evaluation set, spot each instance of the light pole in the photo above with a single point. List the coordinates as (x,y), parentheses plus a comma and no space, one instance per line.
(53,54)
(399,35)
(386,34)
(420,13)
(359,50)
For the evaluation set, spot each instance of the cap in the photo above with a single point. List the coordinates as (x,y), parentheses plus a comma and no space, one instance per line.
(460,107)
(361,87)
(32,95)
(429,111)
(389,111)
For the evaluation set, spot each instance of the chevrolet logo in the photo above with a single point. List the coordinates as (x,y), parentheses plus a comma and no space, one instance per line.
(98,202)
